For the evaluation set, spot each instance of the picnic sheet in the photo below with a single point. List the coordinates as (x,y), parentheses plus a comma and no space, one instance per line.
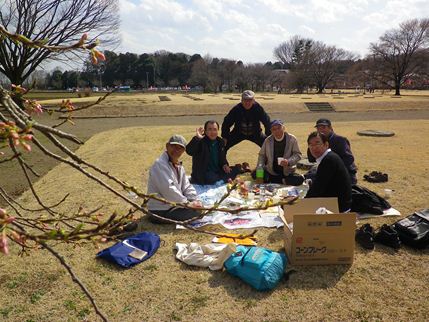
(386,213)
(210,194)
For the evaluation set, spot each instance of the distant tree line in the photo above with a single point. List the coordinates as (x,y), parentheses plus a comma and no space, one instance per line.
(400,59)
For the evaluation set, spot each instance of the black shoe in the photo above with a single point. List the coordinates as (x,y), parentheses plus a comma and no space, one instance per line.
(365,236)
(376,176)
(388,236)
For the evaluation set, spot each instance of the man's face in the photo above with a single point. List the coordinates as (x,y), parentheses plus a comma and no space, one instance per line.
(175,151)
(211,131)
(277,131)
(317,147)
(247,103)
(324,129)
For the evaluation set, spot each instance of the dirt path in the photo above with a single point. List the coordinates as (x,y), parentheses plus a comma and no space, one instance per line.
(88,127)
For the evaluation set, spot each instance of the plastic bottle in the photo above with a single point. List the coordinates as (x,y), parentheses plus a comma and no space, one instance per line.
(260,174)
(303,189)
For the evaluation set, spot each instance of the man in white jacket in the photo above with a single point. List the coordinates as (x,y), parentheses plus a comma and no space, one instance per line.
(167,179)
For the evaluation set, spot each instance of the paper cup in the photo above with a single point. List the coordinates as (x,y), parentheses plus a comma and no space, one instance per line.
(248,184)
(279,160)
(251,195)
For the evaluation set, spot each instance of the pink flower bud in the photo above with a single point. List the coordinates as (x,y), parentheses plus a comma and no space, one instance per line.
(8,220)
(100,55)
(27,137)
(14,135)
(26,146)
(4,248)
(17,237)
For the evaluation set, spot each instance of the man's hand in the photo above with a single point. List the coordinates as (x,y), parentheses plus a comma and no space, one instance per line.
(226,168)
(199,133)
(284,163)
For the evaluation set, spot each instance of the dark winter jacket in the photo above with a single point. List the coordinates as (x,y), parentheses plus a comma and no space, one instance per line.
(341,146)
(199,150)
(332,180)
(246,122)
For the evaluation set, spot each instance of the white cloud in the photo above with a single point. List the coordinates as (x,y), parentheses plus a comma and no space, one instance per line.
(307,30)
(249,31)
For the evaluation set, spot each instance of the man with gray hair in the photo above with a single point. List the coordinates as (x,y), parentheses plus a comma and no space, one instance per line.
(246,117)
(167,179)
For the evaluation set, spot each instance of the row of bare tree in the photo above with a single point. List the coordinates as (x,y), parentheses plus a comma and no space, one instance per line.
(400,56)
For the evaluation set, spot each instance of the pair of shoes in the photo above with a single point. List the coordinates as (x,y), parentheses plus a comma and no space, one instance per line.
(365,236)
(388,237)
(376,176)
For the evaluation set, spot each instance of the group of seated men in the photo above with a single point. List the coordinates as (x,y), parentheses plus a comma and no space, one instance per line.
(333,175)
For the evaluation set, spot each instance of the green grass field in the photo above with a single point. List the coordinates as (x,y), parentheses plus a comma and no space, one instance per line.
(381,285)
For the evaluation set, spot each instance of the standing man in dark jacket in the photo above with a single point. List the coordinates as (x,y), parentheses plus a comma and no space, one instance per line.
(246,118)
(209,163)
(339,144)
(332,178)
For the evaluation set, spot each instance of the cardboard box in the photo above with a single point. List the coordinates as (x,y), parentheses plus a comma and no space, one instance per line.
(318,239)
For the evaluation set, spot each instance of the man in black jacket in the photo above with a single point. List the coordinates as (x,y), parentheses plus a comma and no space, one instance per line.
(332,178)
(209,163)
(246,118)
(339,144)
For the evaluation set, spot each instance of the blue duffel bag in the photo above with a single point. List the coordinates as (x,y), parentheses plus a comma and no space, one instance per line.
(132,250)
(257,266)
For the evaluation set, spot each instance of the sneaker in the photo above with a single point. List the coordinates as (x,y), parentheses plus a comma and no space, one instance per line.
(388,236)
(365,236)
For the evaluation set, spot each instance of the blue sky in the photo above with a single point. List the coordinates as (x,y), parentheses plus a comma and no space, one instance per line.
(250,30)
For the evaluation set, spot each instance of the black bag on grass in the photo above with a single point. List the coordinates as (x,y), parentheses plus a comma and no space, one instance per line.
(414,229)
(367,201)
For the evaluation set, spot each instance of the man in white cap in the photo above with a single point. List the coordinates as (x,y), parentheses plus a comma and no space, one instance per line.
(246,117)
(167,179)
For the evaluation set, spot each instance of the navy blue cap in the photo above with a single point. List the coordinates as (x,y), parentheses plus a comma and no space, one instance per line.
(323,122)
(276,122)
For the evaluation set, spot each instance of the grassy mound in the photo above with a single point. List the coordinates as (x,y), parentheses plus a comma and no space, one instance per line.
(380,285)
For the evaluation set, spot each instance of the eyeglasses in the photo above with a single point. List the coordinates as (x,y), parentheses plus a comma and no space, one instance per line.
(315,145)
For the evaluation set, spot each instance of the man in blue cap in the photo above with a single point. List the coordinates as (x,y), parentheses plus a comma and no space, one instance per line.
(279,155)
(337,143)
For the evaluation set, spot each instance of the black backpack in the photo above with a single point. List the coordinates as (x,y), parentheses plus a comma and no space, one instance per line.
(414,229)
(367,201)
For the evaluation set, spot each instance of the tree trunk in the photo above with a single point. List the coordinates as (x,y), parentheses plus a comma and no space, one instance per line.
(397,89)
